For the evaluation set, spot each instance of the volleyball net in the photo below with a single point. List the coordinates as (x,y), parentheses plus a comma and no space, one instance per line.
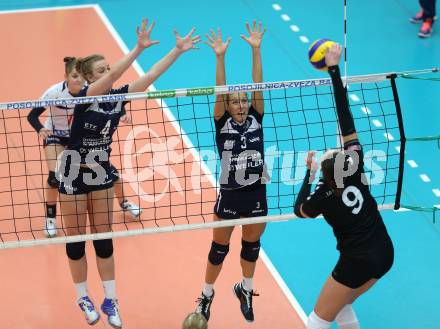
(170,165)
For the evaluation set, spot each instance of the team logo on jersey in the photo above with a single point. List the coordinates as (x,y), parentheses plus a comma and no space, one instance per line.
(255,139)
(229,144)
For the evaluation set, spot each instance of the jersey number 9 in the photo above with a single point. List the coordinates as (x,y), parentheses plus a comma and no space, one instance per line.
(352,197)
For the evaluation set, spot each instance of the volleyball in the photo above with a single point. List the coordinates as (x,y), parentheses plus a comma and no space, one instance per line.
(195,321)
(317,53)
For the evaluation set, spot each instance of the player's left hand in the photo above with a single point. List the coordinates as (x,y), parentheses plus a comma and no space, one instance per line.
(255,34)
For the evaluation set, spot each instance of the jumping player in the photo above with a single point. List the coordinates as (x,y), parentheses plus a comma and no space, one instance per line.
(342,196)
(239,139)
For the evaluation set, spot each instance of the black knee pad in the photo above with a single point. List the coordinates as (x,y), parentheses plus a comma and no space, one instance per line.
(217,253)
(52,180)
(103,248)
(250,250)
(76,250)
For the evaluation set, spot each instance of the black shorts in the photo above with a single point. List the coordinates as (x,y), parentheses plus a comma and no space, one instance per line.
(114,173)
(55,140)
(246,202)
(353,270)
(86,181)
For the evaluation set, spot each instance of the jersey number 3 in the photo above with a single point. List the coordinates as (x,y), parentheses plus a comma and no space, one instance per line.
(352,197)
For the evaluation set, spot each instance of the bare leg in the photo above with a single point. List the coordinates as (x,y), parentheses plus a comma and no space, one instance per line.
(119,191)
(334,296)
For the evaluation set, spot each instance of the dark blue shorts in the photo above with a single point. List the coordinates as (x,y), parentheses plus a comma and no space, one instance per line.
(78,180)
(114,173)
(249,201)
(55,140)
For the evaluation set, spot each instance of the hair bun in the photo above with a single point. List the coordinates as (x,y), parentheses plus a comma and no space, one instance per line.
(68,59)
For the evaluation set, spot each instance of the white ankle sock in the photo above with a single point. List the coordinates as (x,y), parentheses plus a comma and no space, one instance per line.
(81,289)
(208,289)
(109,289)
(247,284)
(347,319)
(315,322)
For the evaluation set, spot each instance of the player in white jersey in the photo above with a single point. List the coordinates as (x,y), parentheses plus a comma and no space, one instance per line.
(55,134)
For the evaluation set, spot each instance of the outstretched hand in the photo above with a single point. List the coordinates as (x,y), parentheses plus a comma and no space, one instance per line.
(215,41)
(188,41)
(144,34)
(311,164)
(255,34)
(333,55)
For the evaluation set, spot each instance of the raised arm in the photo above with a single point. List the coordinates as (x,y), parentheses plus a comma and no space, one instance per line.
(254,40)
(305,190)
(216,43)
(182,45)
(105,83)
(345,118)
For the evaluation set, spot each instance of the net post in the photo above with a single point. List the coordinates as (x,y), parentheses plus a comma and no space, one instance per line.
(392,78)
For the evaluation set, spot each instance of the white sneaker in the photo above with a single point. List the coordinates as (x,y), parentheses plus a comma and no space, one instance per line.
(50,230)
(110,308)
(132,208)
(86,305)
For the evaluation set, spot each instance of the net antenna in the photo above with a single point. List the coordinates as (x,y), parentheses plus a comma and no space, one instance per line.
(345,40)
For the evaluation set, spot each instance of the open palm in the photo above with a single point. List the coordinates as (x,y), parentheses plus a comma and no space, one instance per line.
(188,41)
(255,34)
(144,35)
(216,43)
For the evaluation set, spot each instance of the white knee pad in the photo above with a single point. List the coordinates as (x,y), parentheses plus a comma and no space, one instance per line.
(347,319)
(315,322)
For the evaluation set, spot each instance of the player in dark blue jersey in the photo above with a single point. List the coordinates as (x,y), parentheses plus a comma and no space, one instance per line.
(342,196)
(239,138)
(55,134)
(86,182)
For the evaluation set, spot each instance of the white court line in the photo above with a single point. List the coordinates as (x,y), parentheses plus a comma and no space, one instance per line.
(284,288)
(23,11)
(425,178)
(276,7)
(412,163)
(377,123)
(436,192)
(294,28)
(366,110)
(285,17)
(388,136)
(354,98)
(293,301)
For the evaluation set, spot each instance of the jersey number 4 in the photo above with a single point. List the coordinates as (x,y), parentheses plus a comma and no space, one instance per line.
(105,131)
(352,197)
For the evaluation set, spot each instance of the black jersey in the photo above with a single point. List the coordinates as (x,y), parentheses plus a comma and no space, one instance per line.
(353,215)
(93,126)
(241,149)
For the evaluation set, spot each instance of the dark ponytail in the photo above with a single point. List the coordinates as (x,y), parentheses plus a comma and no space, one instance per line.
(69,64)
